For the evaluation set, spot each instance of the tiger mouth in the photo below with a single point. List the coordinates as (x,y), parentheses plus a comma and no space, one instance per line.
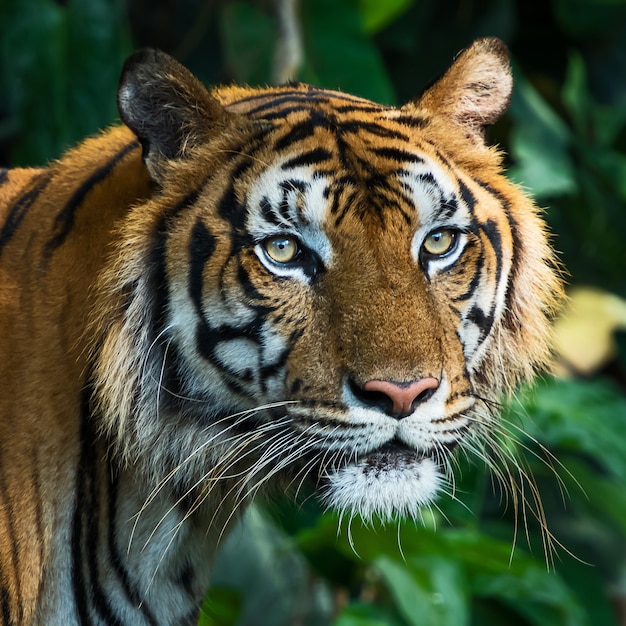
(395,452)
(394,480)
(389,455)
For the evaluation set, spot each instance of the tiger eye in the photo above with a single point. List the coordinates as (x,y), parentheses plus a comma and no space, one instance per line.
(281,249)
(439,242)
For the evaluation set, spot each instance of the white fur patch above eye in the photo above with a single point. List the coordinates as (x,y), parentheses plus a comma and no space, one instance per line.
(384,487)
(290,202)
(436,199)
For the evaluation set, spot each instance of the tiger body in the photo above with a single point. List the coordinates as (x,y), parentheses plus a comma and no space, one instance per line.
(249,288)
(49,548)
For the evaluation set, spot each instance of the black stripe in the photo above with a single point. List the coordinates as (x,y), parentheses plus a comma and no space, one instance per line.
(447,209)
(38,508)
(6,606)
(273,98)
(350,201)
(360,107)
(469,199)
(158,273)
(251,292)
(229,207)
(201,248)
(338,185)
(513,225)
(20,208)
(284,207)
(297,96)
(358,127)
(158,287)
(282,114)
(401,195)
(389,201)
(492,232)
(398,155)
(480,263)
(85,472)
(478,317)
(9,514)
(293,184)
(85,532)
(312,157)
(268,213)
(298,132)
(64,220)
(4,175)
(186,580)
(298,102)
(413,121)
(116,560)
(207,339)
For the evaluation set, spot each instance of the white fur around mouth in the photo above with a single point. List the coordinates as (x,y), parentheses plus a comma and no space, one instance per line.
(387,483)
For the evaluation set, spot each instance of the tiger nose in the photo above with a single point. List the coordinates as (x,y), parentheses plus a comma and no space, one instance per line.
(400,399)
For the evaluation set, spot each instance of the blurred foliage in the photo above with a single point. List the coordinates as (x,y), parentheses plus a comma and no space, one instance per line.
(475,560)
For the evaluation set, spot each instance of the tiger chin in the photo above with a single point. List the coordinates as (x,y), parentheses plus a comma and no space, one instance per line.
(238,290)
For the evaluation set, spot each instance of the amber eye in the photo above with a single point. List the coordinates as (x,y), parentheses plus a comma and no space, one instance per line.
(282,249)
(439,242)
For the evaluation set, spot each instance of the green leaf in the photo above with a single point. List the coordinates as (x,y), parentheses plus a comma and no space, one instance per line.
(377,14)
(540,596)
(221,607)
(249,36)
(576,95)
(588,19)
(540,144)
(98,43)
(365,615)
(420,566)
(582,417)
(610,167)
(339,54)
(427,591)
(586,583)
(271,575)
(604,496)
(60,72)
(522,582)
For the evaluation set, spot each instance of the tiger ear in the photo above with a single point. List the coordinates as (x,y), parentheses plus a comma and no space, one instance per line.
(166,106)
(476,89)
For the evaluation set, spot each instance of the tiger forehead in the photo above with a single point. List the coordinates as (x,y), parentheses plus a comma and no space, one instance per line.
(368,155)
(324,108)
(292,193)
(259,102)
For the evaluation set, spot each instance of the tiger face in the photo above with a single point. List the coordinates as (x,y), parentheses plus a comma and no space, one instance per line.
(319,287)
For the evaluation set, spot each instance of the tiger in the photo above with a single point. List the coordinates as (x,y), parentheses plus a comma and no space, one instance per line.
(238,290)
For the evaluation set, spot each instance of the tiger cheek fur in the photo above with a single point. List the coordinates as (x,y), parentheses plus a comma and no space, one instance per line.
(238,290)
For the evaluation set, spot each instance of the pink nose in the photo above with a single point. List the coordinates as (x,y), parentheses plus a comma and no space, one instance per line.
(404,396)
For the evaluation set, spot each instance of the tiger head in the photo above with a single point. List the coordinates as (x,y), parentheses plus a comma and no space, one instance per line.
(319,286)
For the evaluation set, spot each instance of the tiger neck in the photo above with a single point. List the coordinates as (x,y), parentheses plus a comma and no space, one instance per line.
(137,544)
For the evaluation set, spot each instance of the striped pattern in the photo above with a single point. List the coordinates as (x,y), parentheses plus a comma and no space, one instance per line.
(160,366)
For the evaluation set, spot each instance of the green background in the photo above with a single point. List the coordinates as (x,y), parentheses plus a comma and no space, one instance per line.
(473,560)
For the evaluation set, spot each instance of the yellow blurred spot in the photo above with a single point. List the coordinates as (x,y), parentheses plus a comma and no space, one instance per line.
(585,333)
